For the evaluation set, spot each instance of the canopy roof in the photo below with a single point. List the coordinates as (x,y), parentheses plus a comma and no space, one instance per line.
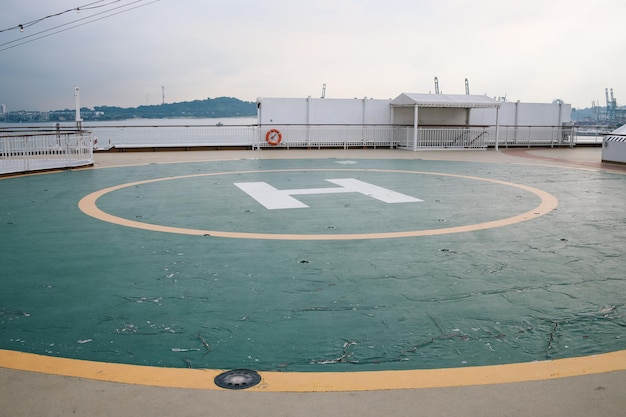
(444,100)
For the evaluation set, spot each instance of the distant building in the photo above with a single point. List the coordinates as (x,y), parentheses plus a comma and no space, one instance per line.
(3,109)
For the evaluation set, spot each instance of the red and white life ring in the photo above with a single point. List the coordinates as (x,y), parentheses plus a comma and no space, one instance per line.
(273,137)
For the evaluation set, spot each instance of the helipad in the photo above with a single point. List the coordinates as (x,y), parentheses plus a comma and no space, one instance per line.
(336,273)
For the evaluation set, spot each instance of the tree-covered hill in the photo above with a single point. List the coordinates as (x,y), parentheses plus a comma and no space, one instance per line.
(216,107)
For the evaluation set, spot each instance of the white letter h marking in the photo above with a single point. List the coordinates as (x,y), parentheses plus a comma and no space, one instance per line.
(272,198)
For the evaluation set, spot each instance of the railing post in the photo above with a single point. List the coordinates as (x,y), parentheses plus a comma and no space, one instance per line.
(497,126)
(67,151)
(27,153)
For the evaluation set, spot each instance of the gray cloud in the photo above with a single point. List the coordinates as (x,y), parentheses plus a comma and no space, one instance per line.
(533,51)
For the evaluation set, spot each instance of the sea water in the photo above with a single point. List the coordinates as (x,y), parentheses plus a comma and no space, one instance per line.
(156,132)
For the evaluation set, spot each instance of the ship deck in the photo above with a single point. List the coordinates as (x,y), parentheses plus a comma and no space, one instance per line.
(355,282)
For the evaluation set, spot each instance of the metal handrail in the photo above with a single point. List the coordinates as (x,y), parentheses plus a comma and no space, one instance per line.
(28,150)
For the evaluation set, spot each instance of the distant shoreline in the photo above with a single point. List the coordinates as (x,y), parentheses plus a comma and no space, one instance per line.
(166,121)
(208,108)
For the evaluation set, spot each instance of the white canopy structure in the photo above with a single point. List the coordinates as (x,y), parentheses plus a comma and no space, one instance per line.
(444,100)
(439,109)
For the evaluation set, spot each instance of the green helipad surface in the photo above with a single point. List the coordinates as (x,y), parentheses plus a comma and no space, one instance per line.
(176,265)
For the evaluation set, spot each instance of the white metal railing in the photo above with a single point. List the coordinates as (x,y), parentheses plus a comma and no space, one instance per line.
(292,136)
(404,137)
(171,136)
(528,136)
(440,138)
(324,136)
(592,134)
(337,136)
(32,150)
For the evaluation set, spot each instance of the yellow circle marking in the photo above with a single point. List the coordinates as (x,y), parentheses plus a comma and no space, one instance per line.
(88,205)
(320,381)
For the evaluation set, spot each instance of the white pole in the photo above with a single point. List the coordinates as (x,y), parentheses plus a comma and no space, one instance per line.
(415,125)
(259,120)
(77,102)
(392,131)
(497,126)
(308,121)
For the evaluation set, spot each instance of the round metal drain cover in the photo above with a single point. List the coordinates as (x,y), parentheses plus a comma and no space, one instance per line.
(237,379)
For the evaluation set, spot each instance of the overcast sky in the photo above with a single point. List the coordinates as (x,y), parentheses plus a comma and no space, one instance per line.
(527,50)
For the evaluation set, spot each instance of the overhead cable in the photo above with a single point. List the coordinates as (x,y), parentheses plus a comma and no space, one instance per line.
(89,19)
(77,9)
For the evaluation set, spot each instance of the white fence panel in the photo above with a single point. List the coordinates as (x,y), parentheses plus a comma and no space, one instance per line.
(173,136)
(38,150)
(321,136)
(32,149)
(528,136)
(441,138)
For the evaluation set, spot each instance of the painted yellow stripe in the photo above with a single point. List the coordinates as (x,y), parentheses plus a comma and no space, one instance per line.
(320,381)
